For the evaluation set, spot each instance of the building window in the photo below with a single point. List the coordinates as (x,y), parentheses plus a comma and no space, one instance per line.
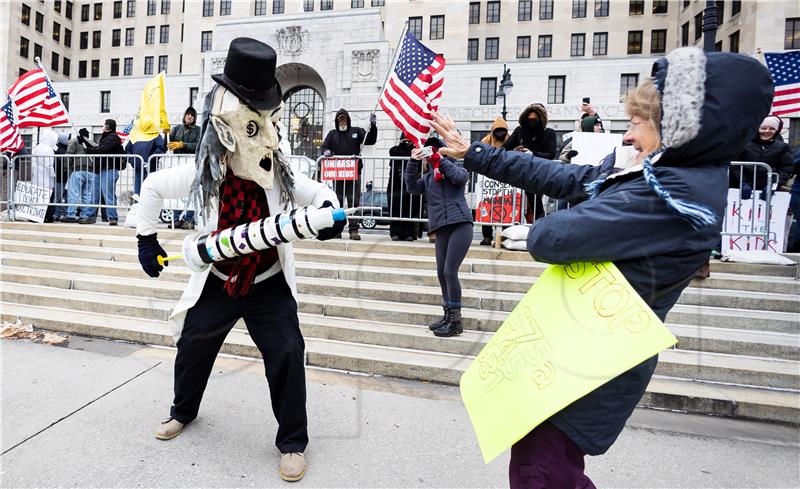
(734,42)
(636,7)
(105,101)
(578,9)
(54,59)
(415,26)
(84,42)
(488,91)
(95,68)
(523,47)
(85,13)
(224,7)
(736,7)
(129,36)
(127,67)
(67,38)
(148,65)
(634,42)
(492,49)
(356,3)
(685,34)
(437,27)
(115,67)
(627,82)
(193,91)
(81,69)
(326,4)
(208,8)
(162,63)
(96,38)
(378,3)
(68,10)
(698,26)
(472,49)
(150,34)
(98,11)
(260,7)
(658,41)
(56,32)
(57,6)
(660,6)
(577,45)
(163,35)
(65,66)
(117,14)
(718,46)
(686,3)
(791,39)
(64,96)
(545,47)
(151,7)
(475,12)
(25,18)
(278,6)
(39,22)
(130,8)
(601,8)
(24,46)
(524,10)
(37,51)
(720,12)
(555,89)
(492,12)
(546,10)
(600,44)
(116,37)
(308,5)
(205,41)
(165,7)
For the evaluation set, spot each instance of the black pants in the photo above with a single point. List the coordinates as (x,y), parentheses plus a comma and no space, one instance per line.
(270,313)
(350,189)
(452,245)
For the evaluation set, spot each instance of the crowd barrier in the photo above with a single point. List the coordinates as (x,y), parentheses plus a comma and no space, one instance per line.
(5,181)
(750,215)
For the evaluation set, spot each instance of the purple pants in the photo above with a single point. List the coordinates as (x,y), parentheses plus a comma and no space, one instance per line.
(547,458)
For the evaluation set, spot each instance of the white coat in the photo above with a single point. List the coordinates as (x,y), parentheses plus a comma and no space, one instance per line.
(175,183)
(43,172)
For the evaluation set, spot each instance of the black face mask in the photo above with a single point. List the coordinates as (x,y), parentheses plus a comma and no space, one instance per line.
(534,126)
(500,134)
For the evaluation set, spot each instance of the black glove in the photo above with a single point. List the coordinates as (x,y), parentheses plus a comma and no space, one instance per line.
(373,119)
(332,232)
(572,154)
(81,140)
(149,250)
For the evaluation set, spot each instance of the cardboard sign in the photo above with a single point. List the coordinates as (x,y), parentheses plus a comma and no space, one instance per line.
(578,327)
(339,169)
(592,147)
(743,217)
(500,203)
(25,196)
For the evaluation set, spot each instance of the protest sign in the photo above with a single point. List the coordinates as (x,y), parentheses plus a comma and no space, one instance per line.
(592,147)
(750,217)
(500,203)
(578,327)
(339,169)
(26,196)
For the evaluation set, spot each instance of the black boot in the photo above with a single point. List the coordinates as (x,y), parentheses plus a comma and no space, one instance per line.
(441,321)
(453,325)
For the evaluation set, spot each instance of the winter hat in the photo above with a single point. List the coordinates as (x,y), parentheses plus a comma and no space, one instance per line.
(83,132)
(772,121)
(434,142)
(588,123)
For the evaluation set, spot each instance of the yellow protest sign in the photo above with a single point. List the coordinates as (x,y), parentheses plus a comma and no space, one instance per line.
(152,116)
(578,327)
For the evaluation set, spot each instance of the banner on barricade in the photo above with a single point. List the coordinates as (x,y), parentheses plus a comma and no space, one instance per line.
(745,217)
(578,327)
(339,169)
(26,195)
(500,203)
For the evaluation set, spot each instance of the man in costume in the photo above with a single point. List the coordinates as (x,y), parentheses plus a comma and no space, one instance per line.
(239,176)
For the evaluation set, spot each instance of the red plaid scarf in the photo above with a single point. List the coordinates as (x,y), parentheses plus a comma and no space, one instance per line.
(434,160)
(242,201)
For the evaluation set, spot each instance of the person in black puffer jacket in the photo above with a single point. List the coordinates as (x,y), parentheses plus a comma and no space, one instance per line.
(109,166)
(768,147)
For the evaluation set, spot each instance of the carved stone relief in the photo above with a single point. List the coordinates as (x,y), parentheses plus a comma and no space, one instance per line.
(365,64)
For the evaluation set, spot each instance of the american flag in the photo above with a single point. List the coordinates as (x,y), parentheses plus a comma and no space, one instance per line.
(123,135)
(10,139)
(785,70)
(37,103)
(414,89)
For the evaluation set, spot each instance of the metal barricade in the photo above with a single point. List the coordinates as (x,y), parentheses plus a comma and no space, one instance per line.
(748,214)
(75,187)
(5,182)
(172,209)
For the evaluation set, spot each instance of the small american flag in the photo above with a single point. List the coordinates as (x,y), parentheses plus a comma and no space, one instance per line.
(414,89)
(37,103)
(123,135)
(10,139)
(785,70)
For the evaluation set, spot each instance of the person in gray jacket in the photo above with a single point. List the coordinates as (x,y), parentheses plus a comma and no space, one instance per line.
(450,218)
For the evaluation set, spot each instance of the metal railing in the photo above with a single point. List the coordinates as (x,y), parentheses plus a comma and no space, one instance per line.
(5,182)
(749,210)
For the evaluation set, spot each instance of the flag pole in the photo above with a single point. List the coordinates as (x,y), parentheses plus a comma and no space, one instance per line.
(391,65)
(38,62)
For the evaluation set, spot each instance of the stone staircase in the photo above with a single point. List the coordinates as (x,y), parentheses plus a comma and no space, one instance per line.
(364,306)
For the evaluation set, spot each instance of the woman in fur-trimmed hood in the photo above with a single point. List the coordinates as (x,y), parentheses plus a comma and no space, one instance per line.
(656,221)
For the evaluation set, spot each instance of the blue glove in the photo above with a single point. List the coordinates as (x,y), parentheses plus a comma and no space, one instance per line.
(332,232)
(149,251)
(373,119)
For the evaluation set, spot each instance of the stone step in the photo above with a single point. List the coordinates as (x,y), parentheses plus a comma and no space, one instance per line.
(669,393)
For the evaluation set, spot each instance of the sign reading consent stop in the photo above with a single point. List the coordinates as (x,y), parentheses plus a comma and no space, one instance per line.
(339,169)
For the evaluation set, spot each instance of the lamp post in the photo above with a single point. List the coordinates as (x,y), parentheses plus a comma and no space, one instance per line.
(710,25)
(505,88)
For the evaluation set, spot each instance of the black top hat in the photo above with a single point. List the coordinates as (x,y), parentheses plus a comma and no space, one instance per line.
(250,73)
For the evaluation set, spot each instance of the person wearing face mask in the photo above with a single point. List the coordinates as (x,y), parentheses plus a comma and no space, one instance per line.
(497,136)
(401,203)
(768,147)
(346,140)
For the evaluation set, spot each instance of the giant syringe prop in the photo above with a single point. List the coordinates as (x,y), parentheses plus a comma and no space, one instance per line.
(200,251)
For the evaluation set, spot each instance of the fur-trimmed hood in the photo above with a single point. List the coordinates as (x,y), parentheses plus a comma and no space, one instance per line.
(540,111)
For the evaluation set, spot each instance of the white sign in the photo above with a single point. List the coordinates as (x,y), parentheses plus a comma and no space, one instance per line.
(743,217)
(592,147)
(26,195)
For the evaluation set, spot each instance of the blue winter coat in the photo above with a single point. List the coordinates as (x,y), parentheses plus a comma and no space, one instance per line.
(146,149)
(447,203)
(630,225)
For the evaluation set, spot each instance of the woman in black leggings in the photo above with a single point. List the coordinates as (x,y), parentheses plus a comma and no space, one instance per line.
(444,184)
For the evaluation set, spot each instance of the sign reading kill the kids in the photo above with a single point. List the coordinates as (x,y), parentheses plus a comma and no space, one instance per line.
(339,169)
(745,222)
(578,327)
(26,196)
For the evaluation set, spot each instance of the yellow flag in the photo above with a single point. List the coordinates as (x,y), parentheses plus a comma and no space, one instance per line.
(152,116)
(578,327)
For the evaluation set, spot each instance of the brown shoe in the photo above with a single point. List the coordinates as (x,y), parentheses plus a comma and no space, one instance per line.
(704,271)
(169,429)
(354,236)
(292,467)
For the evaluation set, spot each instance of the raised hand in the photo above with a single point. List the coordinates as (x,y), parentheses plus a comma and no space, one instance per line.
(457,146)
